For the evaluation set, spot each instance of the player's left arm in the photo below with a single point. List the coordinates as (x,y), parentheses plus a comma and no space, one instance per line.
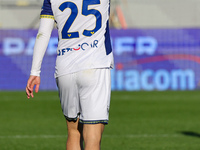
(41,43)
(42,40)
(32,81)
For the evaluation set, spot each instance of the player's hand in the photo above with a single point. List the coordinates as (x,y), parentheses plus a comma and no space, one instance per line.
(32,81)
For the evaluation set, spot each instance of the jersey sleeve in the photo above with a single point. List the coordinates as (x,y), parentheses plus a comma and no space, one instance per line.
(41,43)
(47,10)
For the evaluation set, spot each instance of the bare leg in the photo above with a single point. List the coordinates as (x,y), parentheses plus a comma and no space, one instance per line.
(75,139)
(92,134)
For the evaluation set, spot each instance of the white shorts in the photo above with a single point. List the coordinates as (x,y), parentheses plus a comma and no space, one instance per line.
(86,94)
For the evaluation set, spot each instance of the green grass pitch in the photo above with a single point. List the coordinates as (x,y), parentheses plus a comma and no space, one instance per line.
(138,121)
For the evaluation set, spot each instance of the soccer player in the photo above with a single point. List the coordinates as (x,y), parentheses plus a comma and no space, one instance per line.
(82,72)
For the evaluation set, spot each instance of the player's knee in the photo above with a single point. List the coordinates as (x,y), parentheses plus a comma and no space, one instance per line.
(73,132)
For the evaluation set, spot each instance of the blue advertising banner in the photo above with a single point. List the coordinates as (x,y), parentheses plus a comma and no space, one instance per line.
(145,59)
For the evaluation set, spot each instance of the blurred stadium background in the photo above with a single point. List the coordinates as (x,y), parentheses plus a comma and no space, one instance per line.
(156,45)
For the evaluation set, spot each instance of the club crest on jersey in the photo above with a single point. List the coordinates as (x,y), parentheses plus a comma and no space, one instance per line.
(84,46)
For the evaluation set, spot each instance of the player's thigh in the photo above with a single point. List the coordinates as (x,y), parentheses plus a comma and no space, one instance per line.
(93,132)
(74,127)
(95,95)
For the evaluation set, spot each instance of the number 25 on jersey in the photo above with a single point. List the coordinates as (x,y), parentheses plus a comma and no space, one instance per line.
(85,12)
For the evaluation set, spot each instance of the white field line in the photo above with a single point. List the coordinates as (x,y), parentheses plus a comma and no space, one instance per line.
(142,135)
(32,136)
(104,136)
